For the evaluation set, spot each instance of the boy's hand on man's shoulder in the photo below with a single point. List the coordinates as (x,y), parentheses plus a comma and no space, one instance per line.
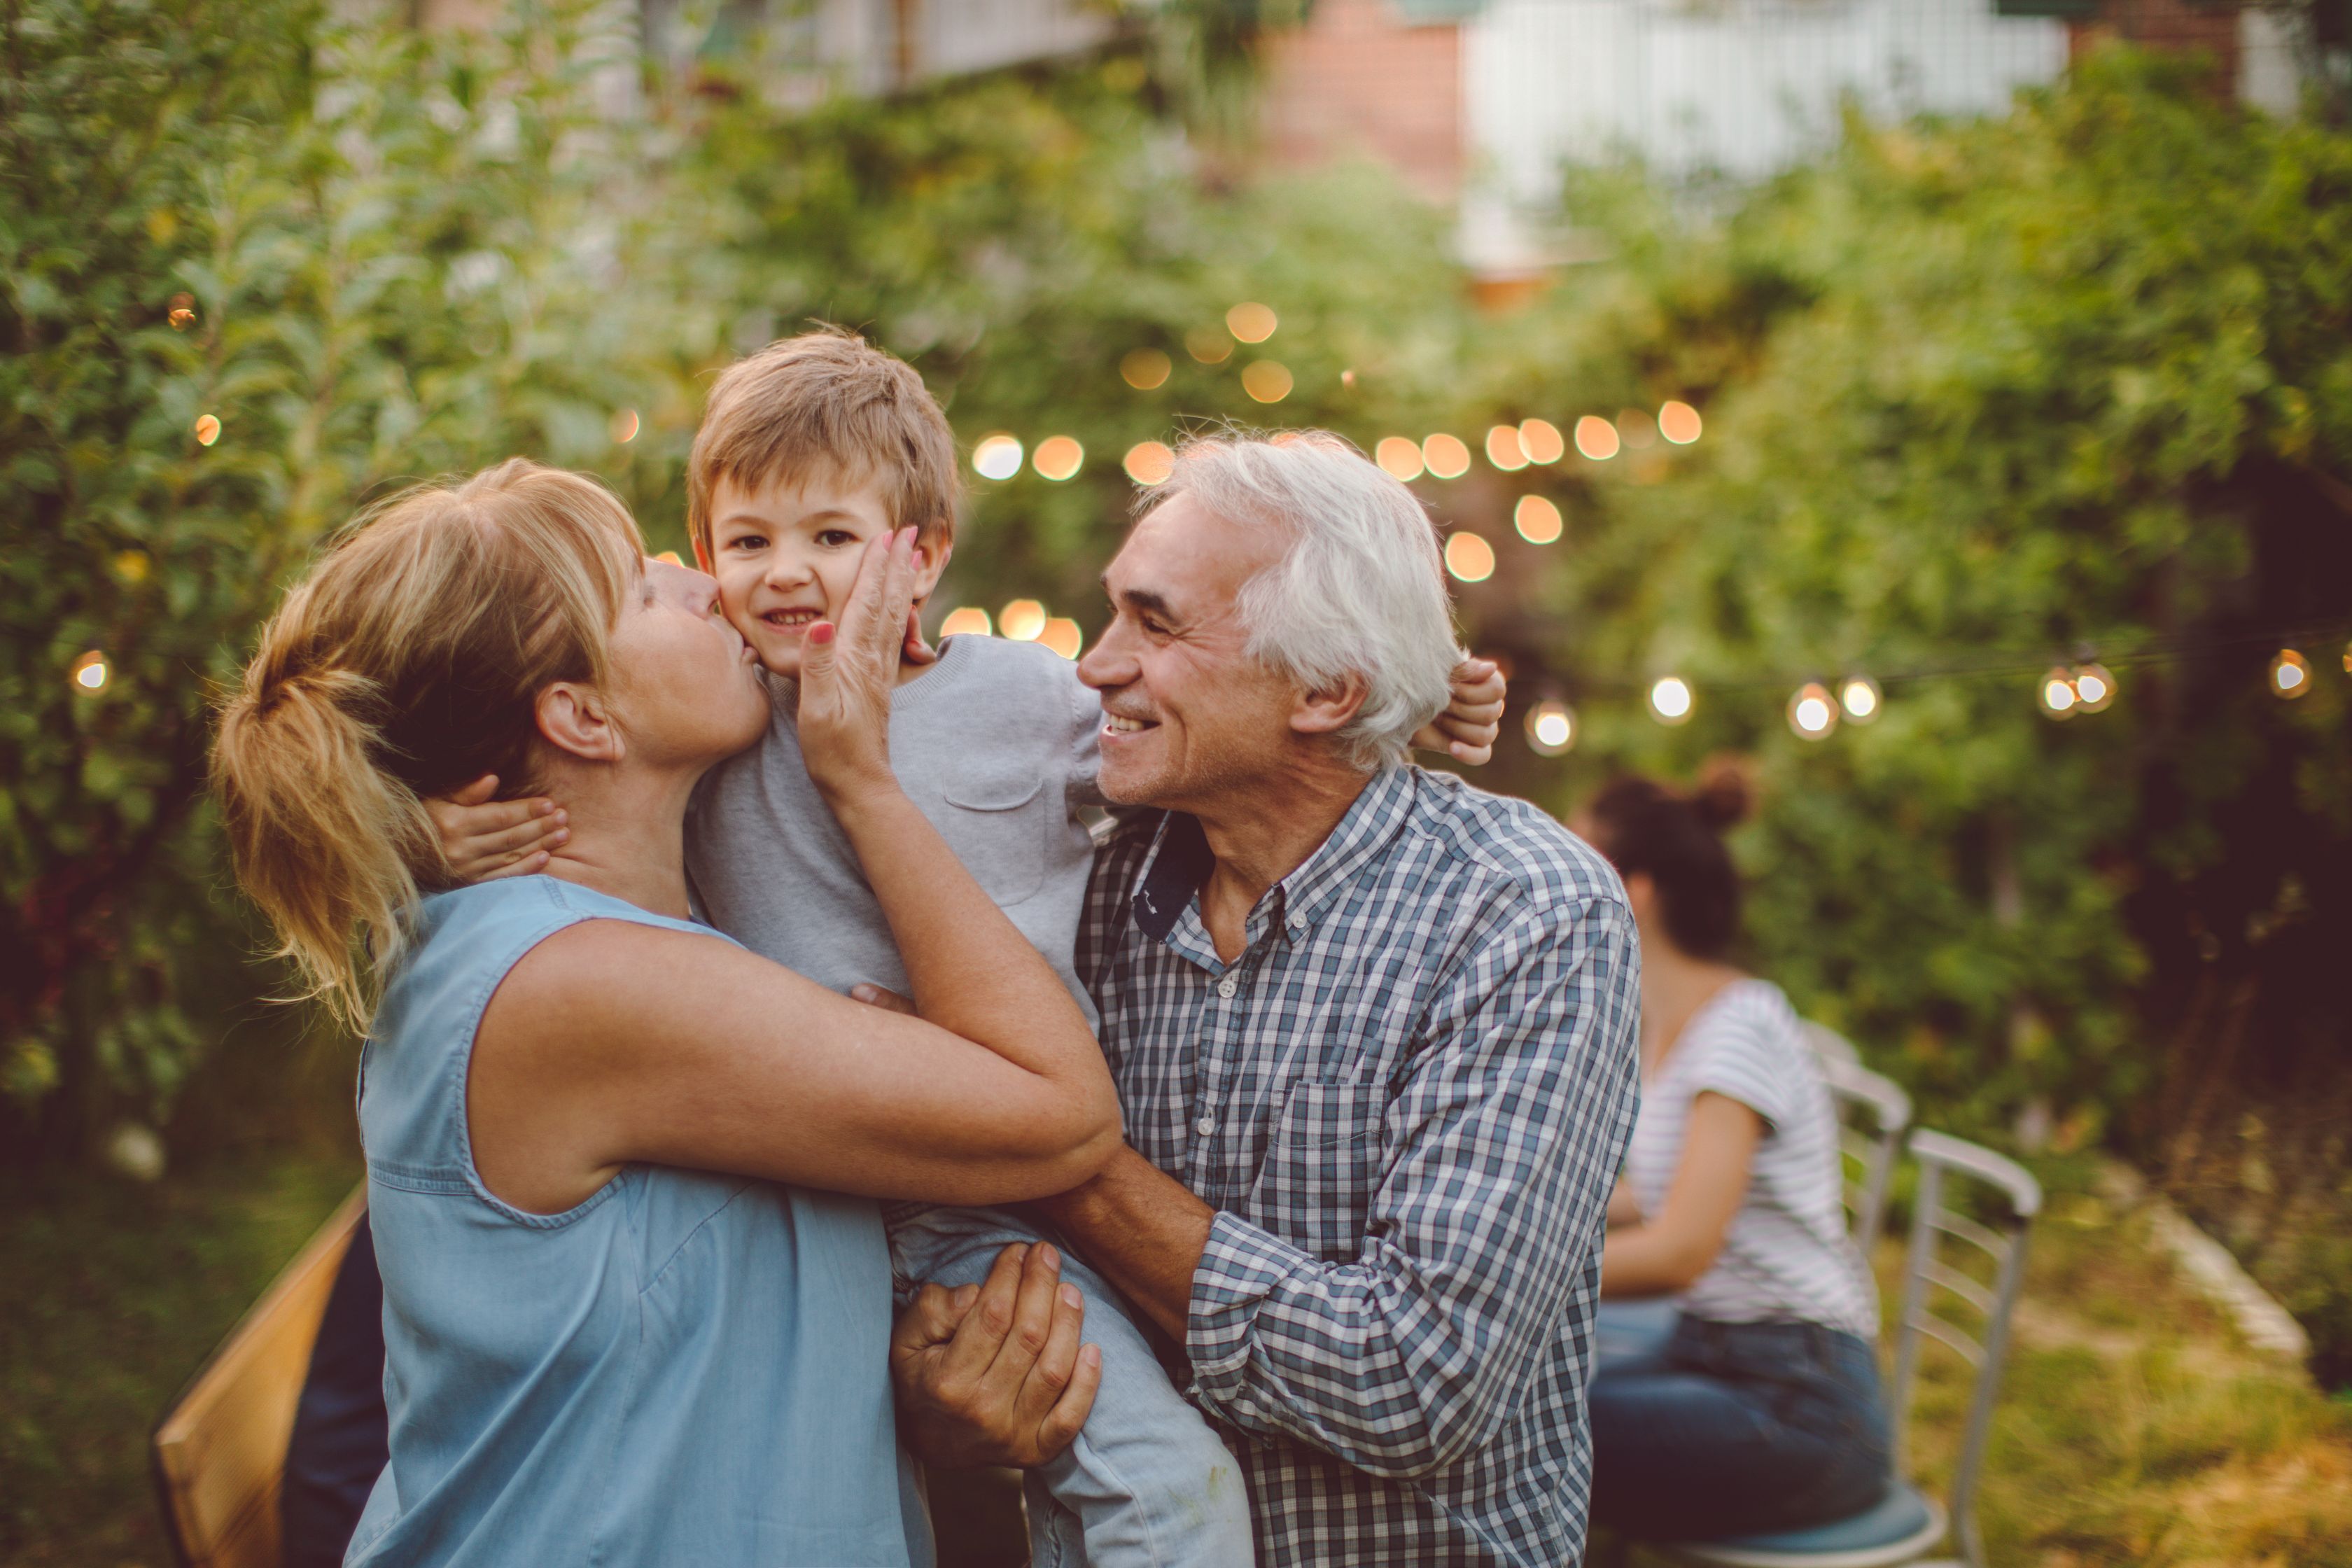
(484,839)
(1466,729)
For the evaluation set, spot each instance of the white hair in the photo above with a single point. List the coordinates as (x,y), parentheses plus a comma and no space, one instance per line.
(1358,590)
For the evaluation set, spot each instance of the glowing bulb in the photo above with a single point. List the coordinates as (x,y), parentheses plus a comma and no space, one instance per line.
(1208,345)
(1148,463)
(1469,558)
(1400,457)
(1812,714)
(1446,456)
(90,671)
(1670,700)
(207,429)
(1551,728)
(1859,697)
(1504,451)
(2094,688)
(1679,422)
(1063,636)
(1058,458)
(1268,381)
(967,621)
(1022,620)
(1538,520)
(1540,440)
(2059,697)
(1596,438)
(1144,369)
(1250,321)
(997,457)
(2289,673)
(182,317)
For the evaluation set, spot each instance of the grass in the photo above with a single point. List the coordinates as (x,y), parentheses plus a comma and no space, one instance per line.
(2134,1427)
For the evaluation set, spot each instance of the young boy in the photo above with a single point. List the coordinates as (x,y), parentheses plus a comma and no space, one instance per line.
(807,450)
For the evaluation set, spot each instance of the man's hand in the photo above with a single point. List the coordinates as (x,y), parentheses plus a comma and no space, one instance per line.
(1466,729)
(994,1373)
(484,840)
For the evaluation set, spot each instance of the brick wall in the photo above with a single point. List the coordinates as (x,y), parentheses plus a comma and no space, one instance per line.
(2210,30)
(1360,79)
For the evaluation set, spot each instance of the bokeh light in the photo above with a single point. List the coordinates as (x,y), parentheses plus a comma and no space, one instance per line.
(965,621)
(1541,440)
(132,566)
(1671,700)
(1266,380)
(1551,728)
(624,427)
(1149,462)
(1144,369)
(1538,520)
(1503,448)
(1208,345)
(1400,456)
(1859,697)
(2057,693)
(2290,674)
(1596,438)
(1022,620)
(1446,456)
(1250,321)
(91,672)
(670,558)
(1678,422)
(2094,687)
(1063,636)
(1058,458)
(997,457)
(1469,558)
(207,429)
(1812,712)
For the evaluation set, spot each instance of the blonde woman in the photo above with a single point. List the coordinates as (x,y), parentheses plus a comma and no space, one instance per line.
(620,1324)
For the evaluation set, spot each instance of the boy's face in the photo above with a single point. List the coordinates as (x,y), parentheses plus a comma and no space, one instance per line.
(785,553)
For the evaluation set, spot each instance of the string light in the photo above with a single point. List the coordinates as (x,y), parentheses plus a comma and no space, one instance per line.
(91,672)
(1208,345)
(2290,674)
(1812,712)
(1670,700)
(1541,440)
(1538,520)
(183,312)
(1148,463)
(1469,558)
(1266,380)
(968,621)
(1400,457)
(2058,694)
(624,427)
(1446,456)
(1058,458)
(997,457)
(1144,369)
(207,429)
(1678,422)
(1596,438)
(1250,321)
(1859,697)
(1551,728)
(1063,636)
(1504,451)
(2094,687)
(1023,620)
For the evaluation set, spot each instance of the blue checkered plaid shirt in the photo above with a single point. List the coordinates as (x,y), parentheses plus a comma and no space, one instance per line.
(1407,1100)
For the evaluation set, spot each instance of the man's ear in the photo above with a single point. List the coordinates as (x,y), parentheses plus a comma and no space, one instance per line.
(930,562)
(572,717)
(1327,711)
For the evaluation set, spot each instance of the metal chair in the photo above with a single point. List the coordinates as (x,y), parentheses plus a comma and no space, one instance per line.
(1872,1112)
(1908,1523)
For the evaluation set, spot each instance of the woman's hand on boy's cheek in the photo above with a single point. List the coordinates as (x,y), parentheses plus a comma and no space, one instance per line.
(484,840)
(1467,729)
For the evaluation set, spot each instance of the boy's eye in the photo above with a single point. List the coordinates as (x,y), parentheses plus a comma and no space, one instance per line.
(747,541)
(833,538)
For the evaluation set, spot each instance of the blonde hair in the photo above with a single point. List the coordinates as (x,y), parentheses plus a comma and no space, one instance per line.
(829,401)
(407,663)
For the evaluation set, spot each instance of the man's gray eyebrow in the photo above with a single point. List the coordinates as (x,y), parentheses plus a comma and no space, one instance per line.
(1143,599)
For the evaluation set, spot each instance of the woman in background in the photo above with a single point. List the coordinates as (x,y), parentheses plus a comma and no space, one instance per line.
(1761,1411)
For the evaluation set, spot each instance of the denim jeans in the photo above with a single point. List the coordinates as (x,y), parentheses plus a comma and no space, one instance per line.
(1733,1428)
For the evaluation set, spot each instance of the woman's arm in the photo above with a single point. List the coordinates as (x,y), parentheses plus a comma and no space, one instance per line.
(1670,1253)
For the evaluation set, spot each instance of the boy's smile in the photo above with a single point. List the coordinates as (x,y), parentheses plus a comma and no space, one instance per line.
(785,553)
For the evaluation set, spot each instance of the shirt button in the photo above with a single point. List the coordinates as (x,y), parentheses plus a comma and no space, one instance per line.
(1206,1125)
(1226,986)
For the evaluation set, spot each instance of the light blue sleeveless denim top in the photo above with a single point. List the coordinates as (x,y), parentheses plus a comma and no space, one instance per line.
(687,1368)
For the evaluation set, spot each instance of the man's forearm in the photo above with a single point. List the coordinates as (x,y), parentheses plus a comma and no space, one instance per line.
(1143,1229)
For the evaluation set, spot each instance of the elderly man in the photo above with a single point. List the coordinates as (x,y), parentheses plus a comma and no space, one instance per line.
(1373,1031)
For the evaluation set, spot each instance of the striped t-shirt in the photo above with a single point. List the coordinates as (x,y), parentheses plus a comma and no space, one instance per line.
(1786,1256)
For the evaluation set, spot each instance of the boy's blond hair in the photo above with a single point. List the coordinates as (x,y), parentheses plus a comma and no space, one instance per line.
(829,401)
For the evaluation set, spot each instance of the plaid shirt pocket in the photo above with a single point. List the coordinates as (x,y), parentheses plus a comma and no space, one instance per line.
(1321,1166)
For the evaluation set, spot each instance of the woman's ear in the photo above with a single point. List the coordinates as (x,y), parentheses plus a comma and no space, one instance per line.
(572,717)
(1332,709)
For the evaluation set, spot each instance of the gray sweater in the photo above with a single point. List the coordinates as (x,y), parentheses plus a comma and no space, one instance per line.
(998,745)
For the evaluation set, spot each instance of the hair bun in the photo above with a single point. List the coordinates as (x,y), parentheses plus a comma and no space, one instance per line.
(1724,792)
